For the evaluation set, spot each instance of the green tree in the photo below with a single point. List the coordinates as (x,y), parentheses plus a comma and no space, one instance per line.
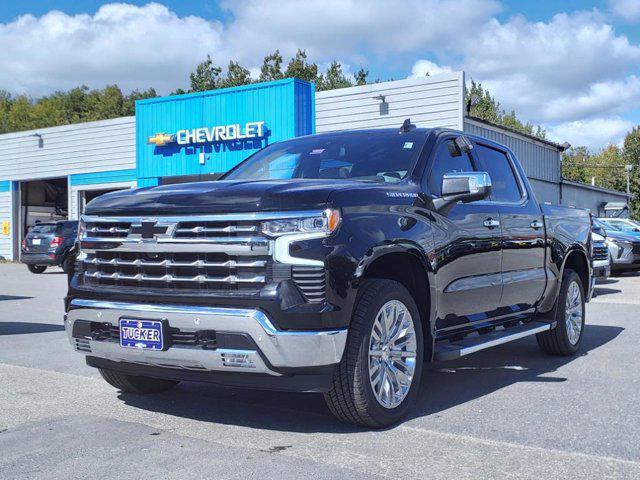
(484,106)
(574,164)
(271,68)
(631,156)
(129,104)
(299,68)
(334,78)
(236,75)
(360,76)
(205,77)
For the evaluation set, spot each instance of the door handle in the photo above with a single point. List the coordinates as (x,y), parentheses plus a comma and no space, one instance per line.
(537,224)
(491,223)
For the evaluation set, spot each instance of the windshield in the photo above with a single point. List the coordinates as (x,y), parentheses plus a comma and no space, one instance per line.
(609,226)
(364,156)
(43,229)
(624,226)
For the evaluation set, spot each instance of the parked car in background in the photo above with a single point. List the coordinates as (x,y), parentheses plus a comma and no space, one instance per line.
(601,257)
(623,224)
(624,247)
(50,244)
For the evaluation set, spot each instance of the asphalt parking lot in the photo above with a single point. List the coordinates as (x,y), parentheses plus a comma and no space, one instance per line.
(510,412)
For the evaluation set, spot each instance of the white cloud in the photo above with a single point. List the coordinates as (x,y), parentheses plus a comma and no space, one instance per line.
(423,68)
(150,45)
(125,44)
(347,28)
(627,10)
(594,133)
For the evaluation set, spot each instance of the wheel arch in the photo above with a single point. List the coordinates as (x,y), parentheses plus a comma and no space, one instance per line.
(577,260)
(409,267)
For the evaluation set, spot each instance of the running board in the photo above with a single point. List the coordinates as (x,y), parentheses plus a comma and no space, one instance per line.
(475,343)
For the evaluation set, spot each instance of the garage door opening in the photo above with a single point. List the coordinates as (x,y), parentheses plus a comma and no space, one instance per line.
(85,196)
(43,201)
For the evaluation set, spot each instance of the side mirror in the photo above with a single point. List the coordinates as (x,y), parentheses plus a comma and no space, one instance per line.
(463,187)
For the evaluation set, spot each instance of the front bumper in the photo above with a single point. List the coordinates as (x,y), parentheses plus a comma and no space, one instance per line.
(267,350)
(601,268)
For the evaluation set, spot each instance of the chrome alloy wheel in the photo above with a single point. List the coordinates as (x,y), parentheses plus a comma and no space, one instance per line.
(392,354)
(573,313)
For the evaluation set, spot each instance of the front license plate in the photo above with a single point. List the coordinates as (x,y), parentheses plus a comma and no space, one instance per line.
(144,334)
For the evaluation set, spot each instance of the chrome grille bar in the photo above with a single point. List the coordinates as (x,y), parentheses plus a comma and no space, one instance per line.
(228,229)
(173,263)
(169,278)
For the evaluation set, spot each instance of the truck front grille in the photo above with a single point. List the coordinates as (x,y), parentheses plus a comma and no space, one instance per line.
(197,270)
(201,253)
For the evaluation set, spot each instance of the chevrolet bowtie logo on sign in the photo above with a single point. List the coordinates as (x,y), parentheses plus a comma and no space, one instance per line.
(161,139)
(221,133)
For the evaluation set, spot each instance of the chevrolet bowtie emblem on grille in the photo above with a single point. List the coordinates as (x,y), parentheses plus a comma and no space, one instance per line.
(161,139)
(148,229)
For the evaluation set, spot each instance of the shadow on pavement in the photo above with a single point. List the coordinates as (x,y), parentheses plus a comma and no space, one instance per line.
(13,297)
(600,291)
(444,386)
(18,328)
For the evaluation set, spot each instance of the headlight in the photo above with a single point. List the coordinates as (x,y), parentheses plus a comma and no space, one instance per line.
(326,222)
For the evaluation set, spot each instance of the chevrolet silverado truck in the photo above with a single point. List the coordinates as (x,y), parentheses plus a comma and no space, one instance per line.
(338,263)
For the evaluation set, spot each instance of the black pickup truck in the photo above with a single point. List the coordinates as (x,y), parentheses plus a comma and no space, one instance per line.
(336,263)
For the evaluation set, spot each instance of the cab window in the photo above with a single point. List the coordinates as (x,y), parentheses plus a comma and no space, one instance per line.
(448,159)
(504,183)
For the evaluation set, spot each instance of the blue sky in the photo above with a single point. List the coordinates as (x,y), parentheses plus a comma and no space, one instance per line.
(571,66)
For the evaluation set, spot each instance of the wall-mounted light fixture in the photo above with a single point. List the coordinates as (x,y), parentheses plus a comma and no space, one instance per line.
(40,139)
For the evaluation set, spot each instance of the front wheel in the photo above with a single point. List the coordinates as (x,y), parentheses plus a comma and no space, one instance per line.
(378,378)
(565,339)
(136,384)
(37,268)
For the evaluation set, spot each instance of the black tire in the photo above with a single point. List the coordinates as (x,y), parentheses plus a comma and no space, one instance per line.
(37,268)
(351,397)
(556,341)
(135,384)
(68,265)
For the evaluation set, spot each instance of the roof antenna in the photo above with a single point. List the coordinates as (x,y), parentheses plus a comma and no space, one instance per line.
(407,126)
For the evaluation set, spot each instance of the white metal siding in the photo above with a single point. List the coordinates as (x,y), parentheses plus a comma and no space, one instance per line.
(540,161)
(69,149)
(6,241)
(428,101)
(73,194)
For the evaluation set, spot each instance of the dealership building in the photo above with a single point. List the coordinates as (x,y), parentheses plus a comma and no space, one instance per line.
(51,173)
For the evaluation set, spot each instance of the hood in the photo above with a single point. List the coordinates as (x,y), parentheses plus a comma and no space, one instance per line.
(223,196)
(626,237)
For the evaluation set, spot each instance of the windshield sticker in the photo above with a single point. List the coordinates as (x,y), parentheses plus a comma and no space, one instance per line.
(316,151)
(408,145)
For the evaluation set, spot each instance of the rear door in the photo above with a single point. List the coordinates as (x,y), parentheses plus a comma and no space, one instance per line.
(523,234)
(467,256)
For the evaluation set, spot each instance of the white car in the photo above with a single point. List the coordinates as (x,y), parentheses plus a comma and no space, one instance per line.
(624,224)
(601,257)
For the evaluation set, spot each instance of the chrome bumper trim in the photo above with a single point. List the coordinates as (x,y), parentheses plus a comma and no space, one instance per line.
(287,349)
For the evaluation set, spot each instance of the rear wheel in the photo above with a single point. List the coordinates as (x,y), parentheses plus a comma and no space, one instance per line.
(565,339)
(37,268)
(136,384)
(378,378)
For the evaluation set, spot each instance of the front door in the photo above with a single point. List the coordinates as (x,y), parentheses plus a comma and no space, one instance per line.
(468,250)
